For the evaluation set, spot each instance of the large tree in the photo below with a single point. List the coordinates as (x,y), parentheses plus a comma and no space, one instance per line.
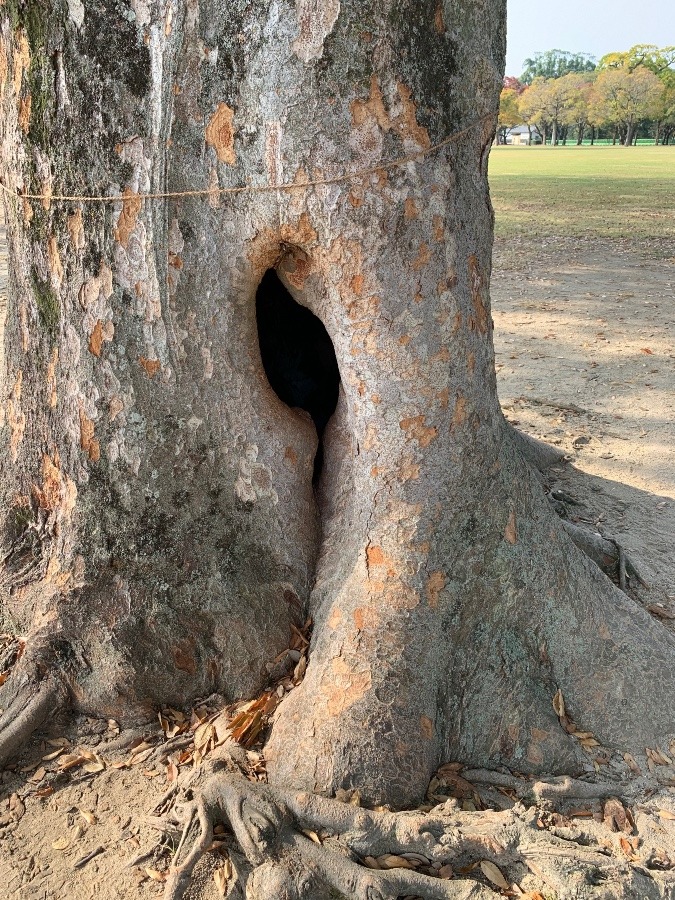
(161,532)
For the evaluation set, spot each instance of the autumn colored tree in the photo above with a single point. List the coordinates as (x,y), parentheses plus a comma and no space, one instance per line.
(163,526)
(625,98)
(509,112)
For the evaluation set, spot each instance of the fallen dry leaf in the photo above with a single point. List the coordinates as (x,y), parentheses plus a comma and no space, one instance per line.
(666,814)
(61,843)
(559,704)
(493,874)
(88,816)
(155,874)
(647,351)
(392,861)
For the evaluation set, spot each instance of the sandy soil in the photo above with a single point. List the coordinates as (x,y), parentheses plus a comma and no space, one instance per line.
(584,341)
(585,348)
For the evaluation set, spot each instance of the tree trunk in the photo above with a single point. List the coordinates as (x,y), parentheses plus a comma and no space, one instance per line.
(161,531)
(580,133)
(554,134)
(592,135)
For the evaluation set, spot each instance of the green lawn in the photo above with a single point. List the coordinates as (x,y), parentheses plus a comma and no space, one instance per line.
(604,191)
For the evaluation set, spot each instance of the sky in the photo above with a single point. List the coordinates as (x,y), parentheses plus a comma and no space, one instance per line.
(585,26)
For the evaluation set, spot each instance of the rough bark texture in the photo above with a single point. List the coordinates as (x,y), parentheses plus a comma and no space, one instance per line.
(159,520)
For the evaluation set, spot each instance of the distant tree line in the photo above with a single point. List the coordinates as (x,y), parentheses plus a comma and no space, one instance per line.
(565,96)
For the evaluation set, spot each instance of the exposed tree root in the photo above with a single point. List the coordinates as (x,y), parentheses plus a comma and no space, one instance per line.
(607,554)
(303,845)
(538,453)
(32,704)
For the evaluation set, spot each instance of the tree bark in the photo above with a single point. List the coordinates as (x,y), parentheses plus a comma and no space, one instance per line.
(161,533)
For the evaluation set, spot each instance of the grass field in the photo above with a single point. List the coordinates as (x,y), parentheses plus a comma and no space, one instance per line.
(605,191)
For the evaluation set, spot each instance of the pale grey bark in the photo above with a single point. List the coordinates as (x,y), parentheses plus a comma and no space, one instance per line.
(159,514)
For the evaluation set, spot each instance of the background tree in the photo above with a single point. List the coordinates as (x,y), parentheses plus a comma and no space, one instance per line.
(555,64)
(161,533)
(546,101)
(578,90)
(626,98)
(509,112)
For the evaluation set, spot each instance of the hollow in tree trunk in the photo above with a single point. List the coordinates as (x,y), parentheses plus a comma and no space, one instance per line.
(161,531)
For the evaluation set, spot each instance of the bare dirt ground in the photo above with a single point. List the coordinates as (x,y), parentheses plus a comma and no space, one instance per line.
(586,360)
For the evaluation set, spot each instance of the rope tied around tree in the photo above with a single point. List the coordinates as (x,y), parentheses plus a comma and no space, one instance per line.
(257,189)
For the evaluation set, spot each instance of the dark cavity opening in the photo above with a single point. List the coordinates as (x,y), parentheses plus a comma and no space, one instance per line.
(297,355)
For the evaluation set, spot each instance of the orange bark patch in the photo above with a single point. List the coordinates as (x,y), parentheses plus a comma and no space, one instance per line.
(355,200)
(24,113)
(427,727)
(151,366)
(335,617)
(410,211)
(291,456)
(54,260)
(96,339)
(21,59)
(511,530)
(415,429)
(300,272)
(480,322)
(58,491)
(422,258)
(373,108)
(406,122)
(356,284)
(52,396)
(88,442)
(220,133)
(471,363)
(375,556)
(460,413)
(343,687)
(443,398)
(435,584)
(131,207)
(76,230)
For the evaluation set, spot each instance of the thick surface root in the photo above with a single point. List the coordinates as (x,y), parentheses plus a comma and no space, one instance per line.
(299,845)
(28,701)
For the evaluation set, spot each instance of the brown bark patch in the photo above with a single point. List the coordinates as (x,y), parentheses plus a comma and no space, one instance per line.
(427,727)
(511,530)
(115,407)
(184,657)
(151,366)
(410,209)
(21,60)
(480,321)
(25,105)
(439,21)
(435,584)
(439,229)
(52,396)
(415,429)
(291,456)
(375,556)
(335,617)
(131,207)
(220,133)
(4,69)
(16,419)
(76,230)
(54,260)
(422,258)
(88,442)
